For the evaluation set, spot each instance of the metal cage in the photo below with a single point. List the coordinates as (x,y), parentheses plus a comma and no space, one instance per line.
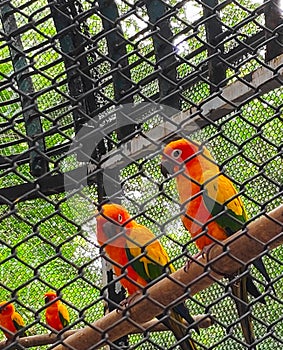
(90,94)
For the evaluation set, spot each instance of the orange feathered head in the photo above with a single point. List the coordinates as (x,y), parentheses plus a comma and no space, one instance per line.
(49,296)
(176,154)
(6,309)
(111,220)
(182,153)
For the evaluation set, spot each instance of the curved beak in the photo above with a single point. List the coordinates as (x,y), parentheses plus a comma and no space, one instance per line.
(111,230)
(167,168)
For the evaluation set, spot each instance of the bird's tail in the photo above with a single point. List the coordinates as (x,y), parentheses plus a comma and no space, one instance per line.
(176,325)
(239,290)
(258,263)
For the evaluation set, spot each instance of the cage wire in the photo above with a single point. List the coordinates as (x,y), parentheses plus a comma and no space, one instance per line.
(88,87)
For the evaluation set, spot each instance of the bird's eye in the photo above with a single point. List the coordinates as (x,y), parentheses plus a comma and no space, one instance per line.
(120,218)
(176,153)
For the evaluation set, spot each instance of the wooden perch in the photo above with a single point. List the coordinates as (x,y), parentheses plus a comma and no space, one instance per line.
(154,325)
(261,235)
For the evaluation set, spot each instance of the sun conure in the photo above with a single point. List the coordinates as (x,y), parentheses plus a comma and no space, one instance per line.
(211,210)
(139,257)
(10,320)
(56,313)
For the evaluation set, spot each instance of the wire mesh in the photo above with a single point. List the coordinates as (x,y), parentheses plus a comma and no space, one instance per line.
(95,87)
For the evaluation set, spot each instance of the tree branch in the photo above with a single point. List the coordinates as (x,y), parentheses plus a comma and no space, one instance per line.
(260,236)
(154,325)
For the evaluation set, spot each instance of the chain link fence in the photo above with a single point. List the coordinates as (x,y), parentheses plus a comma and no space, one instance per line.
(90,93)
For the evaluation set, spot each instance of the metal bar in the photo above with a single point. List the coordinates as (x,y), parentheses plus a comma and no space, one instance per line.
(164,52)
(22,158)
(117,52)
(213,26)
(47,186)
(65,33)
(274,32)
(84,50)
(38,164)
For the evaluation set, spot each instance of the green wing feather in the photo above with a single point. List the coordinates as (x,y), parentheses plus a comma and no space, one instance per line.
(146,254)
(19,323)
(220,198)
(63,315)
(149,274)
(150,266)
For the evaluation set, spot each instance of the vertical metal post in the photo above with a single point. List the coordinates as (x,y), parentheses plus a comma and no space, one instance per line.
(38,163)
(213,26)
(75,55)
(117,52)
(274,25)
(62,20)
(164,52)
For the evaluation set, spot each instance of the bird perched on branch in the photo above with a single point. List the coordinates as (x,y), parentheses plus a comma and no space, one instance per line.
(56,314)
(138,256)
(212,210)
(10,320)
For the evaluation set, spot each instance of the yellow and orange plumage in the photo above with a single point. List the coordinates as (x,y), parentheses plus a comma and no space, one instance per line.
(10,320)
(203,191)
(56,314)
(212,210)
(138,256)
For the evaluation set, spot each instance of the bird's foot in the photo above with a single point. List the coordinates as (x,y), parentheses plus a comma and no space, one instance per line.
(124,304)
(204,253)
(190,261)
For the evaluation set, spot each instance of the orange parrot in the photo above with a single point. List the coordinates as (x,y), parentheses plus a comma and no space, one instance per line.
(56,314)
(139,257)
(10,320)
(212,210)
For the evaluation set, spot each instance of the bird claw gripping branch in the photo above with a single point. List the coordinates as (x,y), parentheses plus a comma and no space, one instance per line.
(125,304)
(204,253)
